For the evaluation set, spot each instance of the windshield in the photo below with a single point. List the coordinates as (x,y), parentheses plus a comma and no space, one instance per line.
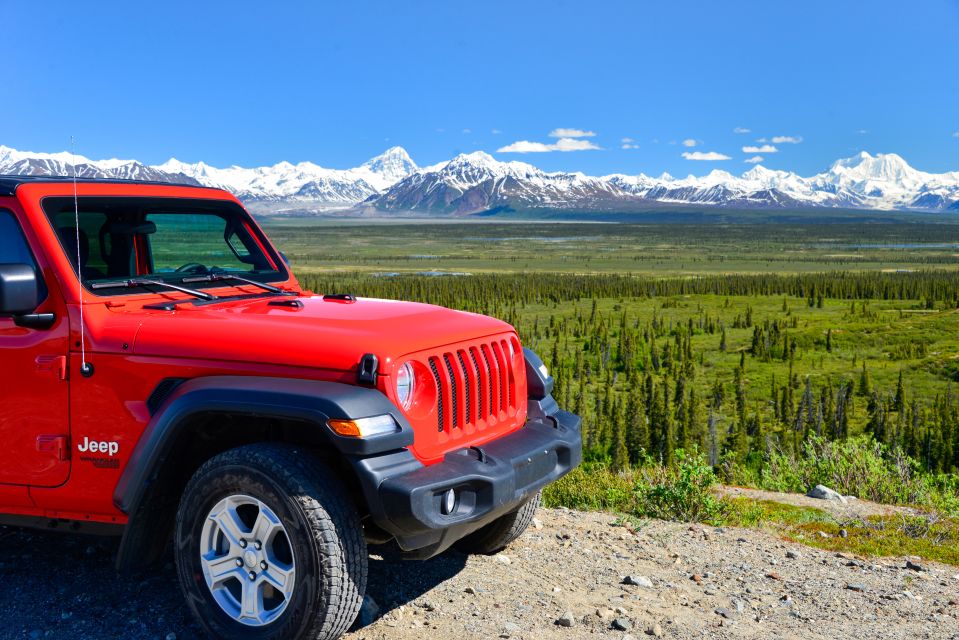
(168,239)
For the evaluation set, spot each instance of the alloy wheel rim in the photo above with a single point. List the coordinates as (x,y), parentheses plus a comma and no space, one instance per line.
(247,560)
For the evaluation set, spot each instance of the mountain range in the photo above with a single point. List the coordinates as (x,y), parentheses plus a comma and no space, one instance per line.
(473,183)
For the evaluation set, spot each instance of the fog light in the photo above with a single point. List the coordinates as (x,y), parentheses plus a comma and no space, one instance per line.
(449,502)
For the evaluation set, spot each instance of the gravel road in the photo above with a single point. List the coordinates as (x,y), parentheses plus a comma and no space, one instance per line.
(564,579)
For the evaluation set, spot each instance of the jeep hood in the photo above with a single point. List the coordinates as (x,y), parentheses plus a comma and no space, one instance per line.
(307,331)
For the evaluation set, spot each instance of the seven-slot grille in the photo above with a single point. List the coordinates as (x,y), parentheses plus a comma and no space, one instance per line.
(474,384)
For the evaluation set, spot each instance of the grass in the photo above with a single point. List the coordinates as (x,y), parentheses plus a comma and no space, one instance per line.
(593,486)
(686,494)
(926,535)
(651,249)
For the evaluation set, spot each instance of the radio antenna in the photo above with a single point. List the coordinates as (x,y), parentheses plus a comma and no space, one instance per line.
(86,369)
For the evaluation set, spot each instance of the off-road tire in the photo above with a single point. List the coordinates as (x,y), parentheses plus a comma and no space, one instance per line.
(322,526)
(495,536)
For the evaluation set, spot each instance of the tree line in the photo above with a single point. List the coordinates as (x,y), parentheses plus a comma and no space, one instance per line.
(645,391)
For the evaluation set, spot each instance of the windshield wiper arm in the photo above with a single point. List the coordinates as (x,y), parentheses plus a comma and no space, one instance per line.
(216,277)
(140,282)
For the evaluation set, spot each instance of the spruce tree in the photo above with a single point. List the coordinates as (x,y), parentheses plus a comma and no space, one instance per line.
(620,460)
(899,402)
(864,388)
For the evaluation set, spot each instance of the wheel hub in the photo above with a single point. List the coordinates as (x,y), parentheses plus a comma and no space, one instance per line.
(247,560)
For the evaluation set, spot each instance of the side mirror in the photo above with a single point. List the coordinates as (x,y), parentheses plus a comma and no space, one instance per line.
(18,289)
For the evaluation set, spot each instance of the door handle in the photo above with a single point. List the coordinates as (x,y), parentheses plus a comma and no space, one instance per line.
(53,363)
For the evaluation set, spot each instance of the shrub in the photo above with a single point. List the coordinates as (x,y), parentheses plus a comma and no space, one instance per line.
(683,493)
(593,486)
(860,466)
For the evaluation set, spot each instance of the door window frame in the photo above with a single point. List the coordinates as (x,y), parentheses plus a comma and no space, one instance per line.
(43,291)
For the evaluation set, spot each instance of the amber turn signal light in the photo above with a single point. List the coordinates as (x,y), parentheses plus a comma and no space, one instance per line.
(364,427)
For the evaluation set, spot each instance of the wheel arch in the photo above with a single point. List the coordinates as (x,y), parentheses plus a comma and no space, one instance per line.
(206,416)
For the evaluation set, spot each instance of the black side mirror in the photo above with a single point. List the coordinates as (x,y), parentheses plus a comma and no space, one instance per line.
(20,296)
(18,289)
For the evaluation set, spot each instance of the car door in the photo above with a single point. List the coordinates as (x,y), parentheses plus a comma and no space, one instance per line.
(34,398)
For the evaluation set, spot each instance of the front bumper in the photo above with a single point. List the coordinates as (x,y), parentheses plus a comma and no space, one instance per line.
(406,498)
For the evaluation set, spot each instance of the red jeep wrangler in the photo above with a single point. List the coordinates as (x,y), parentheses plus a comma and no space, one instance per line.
(165,376)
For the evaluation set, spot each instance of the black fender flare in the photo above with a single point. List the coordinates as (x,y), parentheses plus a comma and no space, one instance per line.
(311,402)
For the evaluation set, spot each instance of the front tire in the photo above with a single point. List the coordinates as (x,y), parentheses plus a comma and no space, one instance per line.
(269,546)
(495,536)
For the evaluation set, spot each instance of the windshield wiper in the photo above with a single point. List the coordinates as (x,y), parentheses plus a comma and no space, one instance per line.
(142,282)
(216,277)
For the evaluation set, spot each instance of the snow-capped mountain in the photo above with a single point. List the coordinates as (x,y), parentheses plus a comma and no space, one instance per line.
(303,185)
(391,183)
(13,162)
(476,182)
(305,181)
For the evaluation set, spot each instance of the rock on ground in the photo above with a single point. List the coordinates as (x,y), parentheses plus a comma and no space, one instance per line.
(821,492)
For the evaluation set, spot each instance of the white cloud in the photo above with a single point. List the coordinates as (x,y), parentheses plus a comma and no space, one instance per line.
(754,159)
(766,148)
(704,155)
(627,140)
(629,143)
(689,142)
(761,140)
(496,132)
(956,134)
(467,131)
(863,132)
(741,130)
(563,144)
(571,133)
(787,139)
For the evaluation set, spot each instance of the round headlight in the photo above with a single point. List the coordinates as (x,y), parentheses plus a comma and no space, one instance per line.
(405,381)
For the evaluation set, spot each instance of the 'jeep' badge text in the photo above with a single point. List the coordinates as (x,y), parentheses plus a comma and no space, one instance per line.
(98,446)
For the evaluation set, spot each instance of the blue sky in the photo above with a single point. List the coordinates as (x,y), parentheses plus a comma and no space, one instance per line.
(336,83)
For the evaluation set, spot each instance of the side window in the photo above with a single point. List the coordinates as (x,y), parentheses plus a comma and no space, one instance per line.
(14,248)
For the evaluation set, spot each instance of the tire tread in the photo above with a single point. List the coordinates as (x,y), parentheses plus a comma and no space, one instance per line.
(340,549)
(498,534)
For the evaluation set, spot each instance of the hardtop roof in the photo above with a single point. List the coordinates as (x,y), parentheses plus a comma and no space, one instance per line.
(10,183)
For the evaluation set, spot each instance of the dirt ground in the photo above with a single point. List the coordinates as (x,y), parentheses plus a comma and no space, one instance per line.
(569,569)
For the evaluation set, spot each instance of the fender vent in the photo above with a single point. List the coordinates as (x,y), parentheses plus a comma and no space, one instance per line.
(162,392)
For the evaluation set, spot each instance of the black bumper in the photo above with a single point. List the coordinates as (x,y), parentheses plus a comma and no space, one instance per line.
(405,498)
